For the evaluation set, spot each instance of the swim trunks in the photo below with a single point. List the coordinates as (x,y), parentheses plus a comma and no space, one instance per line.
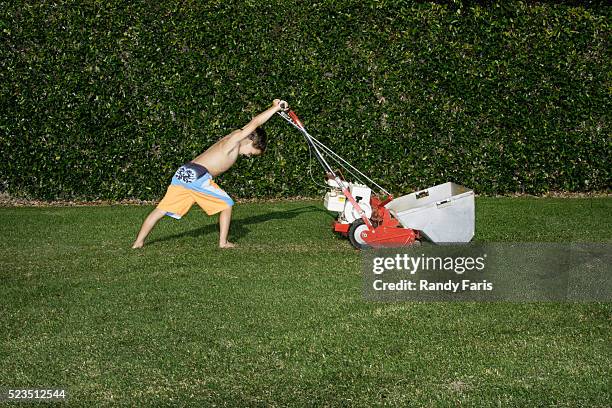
(192,183)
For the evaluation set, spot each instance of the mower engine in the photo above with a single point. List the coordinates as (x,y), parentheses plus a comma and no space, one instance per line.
(336,201)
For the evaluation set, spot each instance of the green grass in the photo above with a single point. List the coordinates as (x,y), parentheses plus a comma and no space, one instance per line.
(281,320)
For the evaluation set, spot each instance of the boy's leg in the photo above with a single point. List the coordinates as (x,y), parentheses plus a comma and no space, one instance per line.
(212,199)
(147,226)
(225,217)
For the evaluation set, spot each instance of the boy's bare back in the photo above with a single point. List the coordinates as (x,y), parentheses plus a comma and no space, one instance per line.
(220,156)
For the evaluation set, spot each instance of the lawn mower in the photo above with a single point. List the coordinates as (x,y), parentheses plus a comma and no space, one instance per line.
(440,214)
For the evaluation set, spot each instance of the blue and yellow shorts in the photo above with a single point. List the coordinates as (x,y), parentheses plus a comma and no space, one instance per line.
(192,183)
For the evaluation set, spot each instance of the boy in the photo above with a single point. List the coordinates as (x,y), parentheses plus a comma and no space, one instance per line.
(193,183)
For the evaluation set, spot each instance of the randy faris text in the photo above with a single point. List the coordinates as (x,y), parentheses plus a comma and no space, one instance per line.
(424,285)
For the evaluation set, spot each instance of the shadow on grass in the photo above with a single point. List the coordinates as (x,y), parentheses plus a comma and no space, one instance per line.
(240,226)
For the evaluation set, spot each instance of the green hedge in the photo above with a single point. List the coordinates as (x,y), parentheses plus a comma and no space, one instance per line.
(106,99)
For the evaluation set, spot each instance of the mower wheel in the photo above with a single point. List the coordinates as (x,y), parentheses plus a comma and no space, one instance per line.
(354,234)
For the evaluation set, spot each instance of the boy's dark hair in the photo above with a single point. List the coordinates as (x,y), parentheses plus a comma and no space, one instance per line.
(259,138)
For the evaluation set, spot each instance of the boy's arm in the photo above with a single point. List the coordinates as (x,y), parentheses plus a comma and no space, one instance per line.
(238,135)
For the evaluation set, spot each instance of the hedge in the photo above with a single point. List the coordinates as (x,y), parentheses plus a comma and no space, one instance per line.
(104,100)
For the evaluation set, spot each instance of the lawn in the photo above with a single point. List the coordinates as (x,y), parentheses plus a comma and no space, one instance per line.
(281,320)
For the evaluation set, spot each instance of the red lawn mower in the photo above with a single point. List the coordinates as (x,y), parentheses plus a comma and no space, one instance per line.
(444,213)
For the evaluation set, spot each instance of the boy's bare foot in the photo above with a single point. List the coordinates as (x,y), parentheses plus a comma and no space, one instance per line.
(137,245)
(227,245)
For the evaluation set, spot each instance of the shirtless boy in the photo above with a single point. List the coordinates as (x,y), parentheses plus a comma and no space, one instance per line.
(193,181)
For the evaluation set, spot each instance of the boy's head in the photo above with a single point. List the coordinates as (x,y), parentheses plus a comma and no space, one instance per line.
(256,143)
